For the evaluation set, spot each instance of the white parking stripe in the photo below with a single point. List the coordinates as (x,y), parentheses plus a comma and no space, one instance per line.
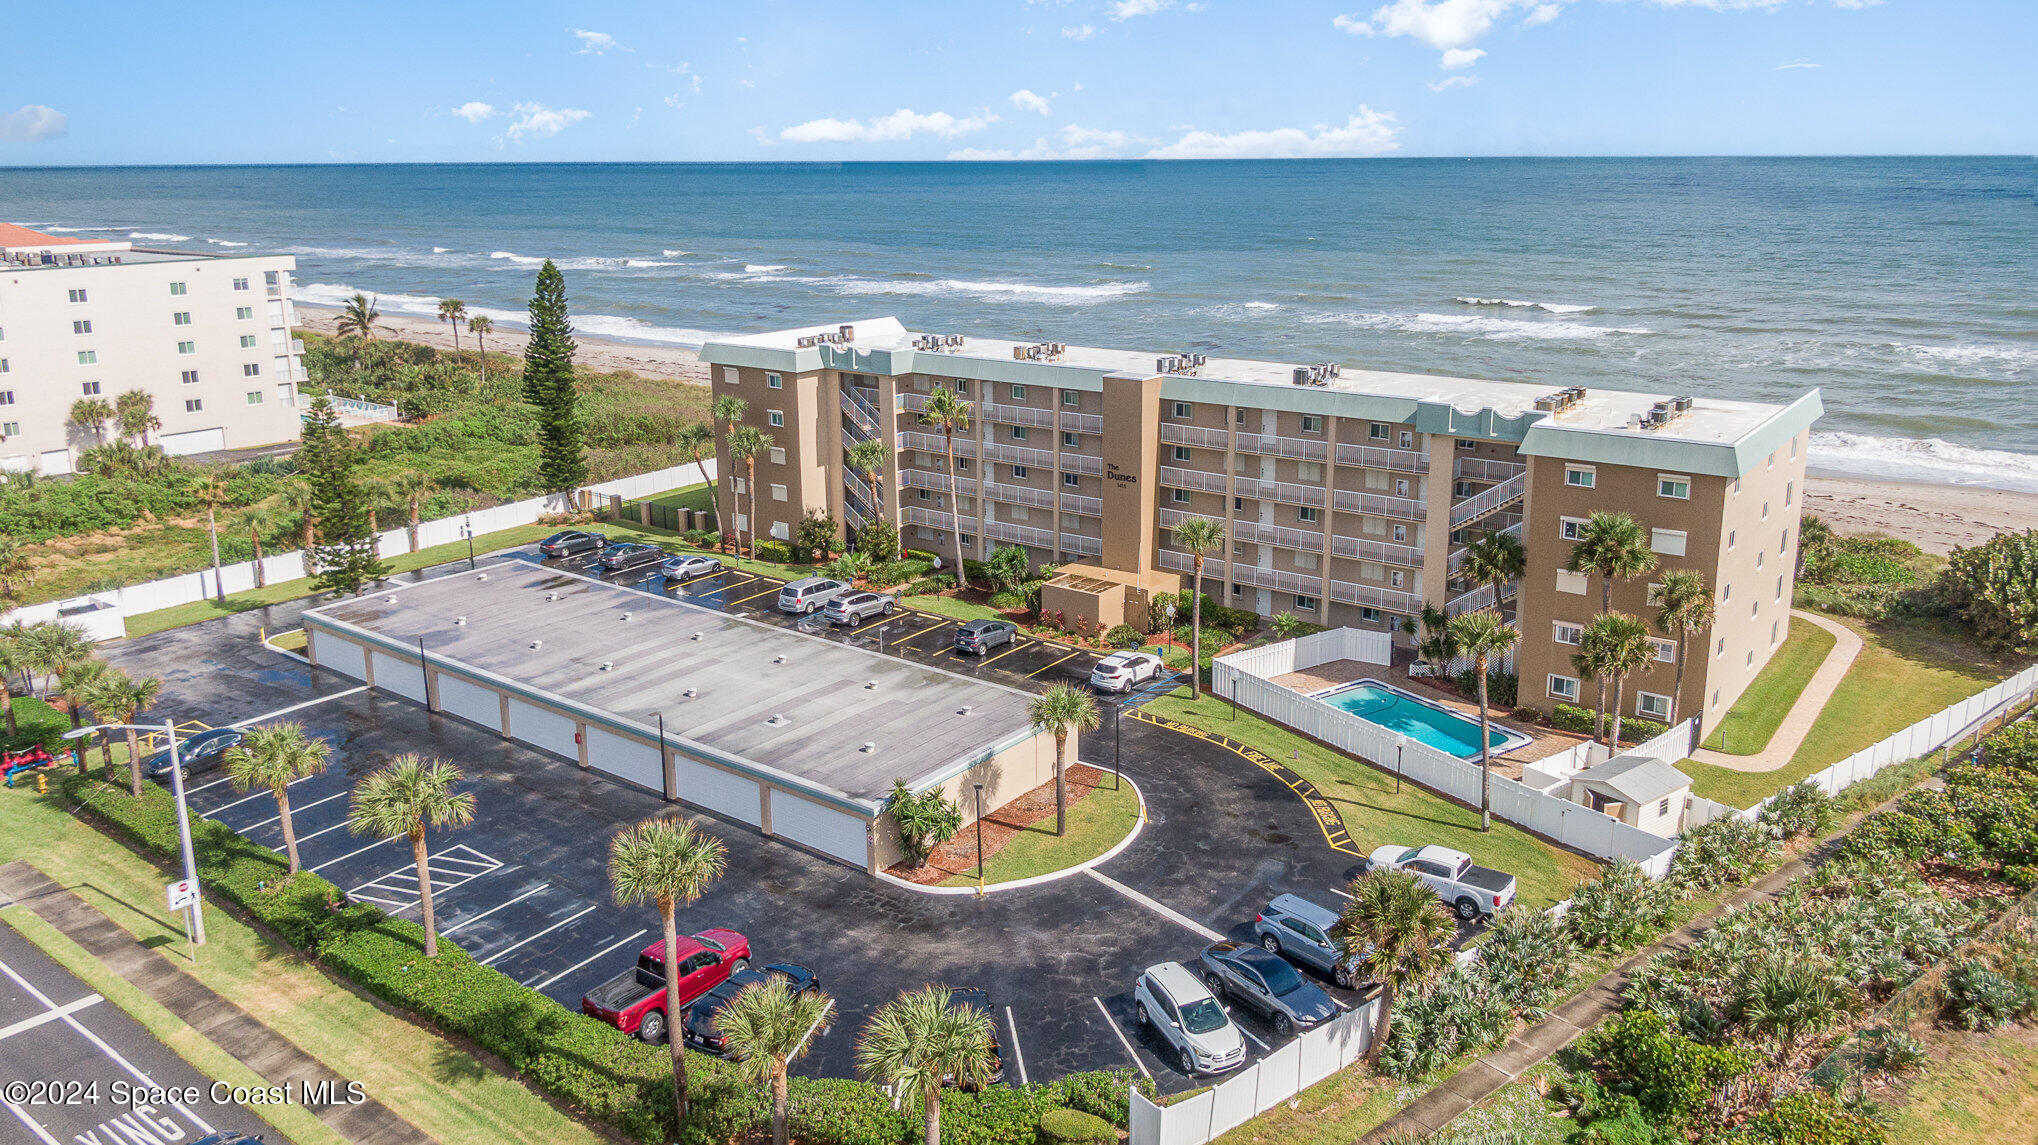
(49,1016)
(278,818)
(303,839)
(1121,1037)
(591,958)
(1163,910)
(265,793)
(1337,892)
(189,791)
(352,853)
(392,904)
(296,707)
(465,922)
(1264,1047)
(34,1125)
(490,960)
(1018,1055)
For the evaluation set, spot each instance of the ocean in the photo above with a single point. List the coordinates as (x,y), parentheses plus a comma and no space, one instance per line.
(1906,288)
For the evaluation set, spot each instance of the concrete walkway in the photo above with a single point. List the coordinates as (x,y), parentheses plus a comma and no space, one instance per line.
(1805,712)
(268,1053)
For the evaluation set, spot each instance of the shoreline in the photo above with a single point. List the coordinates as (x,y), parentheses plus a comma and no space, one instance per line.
(1935,517)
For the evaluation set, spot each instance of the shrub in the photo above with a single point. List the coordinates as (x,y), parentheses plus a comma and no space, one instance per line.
(1724,852)
(924,820)
(1502,688)
(1670,1076)
(878,540)
(1798,810)
(1007,601)
(928,585)
(1619,910)
(1524,959)
(1633,729)
(777,552)
(920,555)
(898,572)
(1074,1127)
(814,534)
(1123,636)
(1812,1117)
(1979,997)
(1008,567)
(2015,746)
(1992,591)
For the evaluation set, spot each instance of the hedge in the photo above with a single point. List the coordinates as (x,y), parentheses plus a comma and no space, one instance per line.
(1633,729)
(600,1072)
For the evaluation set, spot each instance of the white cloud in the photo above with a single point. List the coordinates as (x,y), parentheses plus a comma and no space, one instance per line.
(474,111)
(596,43)
(1442,24)
(1856,5)
(543,122)
(1025,99)
(1079,31)
(762,137)
(34,123)
(1452,83)
(1127,9)
(1367,132)
(1787,65)
(1076,142)
(901,124)
(1461,58)
(1542,14)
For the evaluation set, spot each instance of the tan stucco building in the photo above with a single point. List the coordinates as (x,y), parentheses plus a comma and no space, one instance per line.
(1348,496)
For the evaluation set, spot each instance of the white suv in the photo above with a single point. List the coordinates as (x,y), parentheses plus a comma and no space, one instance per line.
(1176,1004)
(1123,671)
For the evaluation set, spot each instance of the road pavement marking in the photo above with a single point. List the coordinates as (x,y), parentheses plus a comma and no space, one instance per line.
(303,839)
(1161,909)
(463,923)
(491,959)
(1038,671)
(296,707)
(1264,1047)
(265,793)
(597,954)
(1016,646)
(1121,1037)
(754,596)
(278,817)
(352,853)
(1018,1054)
(62,1011)
(1335,891)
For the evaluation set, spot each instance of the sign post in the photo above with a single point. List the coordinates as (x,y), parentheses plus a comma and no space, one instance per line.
(182,896)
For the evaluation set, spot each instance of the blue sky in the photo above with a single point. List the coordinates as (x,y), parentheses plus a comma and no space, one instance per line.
(794,80)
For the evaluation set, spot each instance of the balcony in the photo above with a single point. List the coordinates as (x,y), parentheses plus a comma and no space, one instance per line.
(1385,552)
(1490,501)
(1253,533)
(1082,463)
(1016,415)
(1081,422)
(1383,457)
(862,414)
(1081,546)
(1367,596)
(1379,505)
(1486,469)
(932,518)
(1478,598)
(936,444)
(1284,492)
(1018,534)
(938,482)
(1174,433)
(1271,445)
(1026,455)
(1019,495)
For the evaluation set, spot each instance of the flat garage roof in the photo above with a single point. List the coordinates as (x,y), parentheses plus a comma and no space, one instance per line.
(779,700)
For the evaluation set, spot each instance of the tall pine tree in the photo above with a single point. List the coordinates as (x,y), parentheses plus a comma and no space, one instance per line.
(548,385)
(345,553)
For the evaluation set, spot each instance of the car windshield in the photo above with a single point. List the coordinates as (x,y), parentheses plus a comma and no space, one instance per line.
(1203,1016)
(710,943)
(1281,977)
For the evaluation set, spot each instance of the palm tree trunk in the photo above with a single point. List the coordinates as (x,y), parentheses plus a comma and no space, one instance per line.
(456,341)
(417,849)
(289,828)
(1613,742)
(750,488)
(7,710)
(80,747)
(778,1105)
(1381,1024)
(481,349)
(134,764)
(417,509)
(731,539)
(106,755)
(1061,786)
(672,1036)
(1196,633)
(701,464)
(1599,713)
(1485,750)
(955,514)
(310,539)
(934,1115)
(1677,682)
(212,531)
(261,576)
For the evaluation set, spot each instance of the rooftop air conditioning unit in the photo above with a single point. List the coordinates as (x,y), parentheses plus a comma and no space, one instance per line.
(1302,375)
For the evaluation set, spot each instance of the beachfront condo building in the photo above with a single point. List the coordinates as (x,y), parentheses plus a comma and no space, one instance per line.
(1348,496)
(206,335)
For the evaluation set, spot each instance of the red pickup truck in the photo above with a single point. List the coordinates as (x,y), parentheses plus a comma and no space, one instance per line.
(634,1001)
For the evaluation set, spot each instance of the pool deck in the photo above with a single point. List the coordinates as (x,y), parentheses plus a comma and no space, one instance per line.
(1543,742)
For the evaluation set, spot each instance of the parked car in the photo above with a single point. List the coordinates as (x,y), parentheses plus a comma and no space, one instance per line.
(228,1137)
(980,636)
(1176,1005)
(1299,930)
(853,608)
(201,752)
(1471,890)
(1124,671)
(698,1028)
(1266,983)
(630,555)
(690,566)
(634,1001)
(980,1000)
(572,541)
(809,594)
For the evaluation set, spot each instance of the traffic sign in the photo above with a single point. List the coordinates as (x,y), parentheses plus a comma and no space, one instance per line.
(182,893)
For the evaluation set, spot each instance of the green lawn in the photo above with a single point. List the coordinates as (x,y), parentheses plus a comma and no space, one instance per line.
(1976,1089)
(1754,718)
(1375,813)
(1096,823)
(1906,671)
(699,497)
(950,606)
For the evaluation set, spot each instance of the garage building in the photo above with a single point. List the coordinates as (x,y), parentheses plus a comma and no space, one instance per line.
(796,735)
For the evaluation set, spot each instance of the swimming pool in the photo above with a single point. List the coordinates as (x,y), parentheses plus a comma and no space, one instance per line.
(1418,719)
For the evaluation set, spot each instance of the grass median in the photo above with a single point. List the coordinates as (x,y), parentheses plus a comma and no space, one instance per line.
(1096,823)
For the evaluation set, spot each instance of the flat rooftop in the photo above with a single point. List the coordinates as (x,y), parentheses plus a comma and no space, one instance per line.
(781,701)
(25,249)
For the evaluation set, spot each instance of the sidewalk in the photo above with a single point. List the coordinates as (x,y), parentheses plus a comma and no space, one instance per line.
(262,1049)
(1805,712)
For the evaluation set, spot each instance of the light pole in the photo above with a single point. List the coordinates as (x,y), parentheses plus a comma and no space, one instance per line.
(467,530)
(1117,740)
(980,838)
(169,730)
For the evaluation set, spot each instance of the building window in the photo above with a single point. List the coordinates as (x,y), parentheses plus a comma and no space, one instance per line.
(1751,659)
(778,492)
(1563,687)
(10,429)
(88,357)
(780,531)
(247,341)
(82,326)
(1666,651)
(1571,582)
(1565,632)
(181,318)
(1071,441)
(962,465)
(1715,697)
(187,347)
(1018,433)
(1311,423)
(923,494)
(969,540)
(775,417)
(1793,445)
(1378,432)
(1775,631)
(1570,528)
(1467,443)
(1072,480)
(1765,510)
(251,369)
(1726,592)
(1663,806)
(1184,411)
(1072,397)
(1674,487)
(4,367)
(1669,542)
(1305,603)
(774,381)
(177,288)
(739,486)
(729,377)
(1238,415)
(778,455)
(1581,476)
(1760,554)
(1307,515)
(244,313)
(91,389)
(240,284)
(1789,491)
(254,397)
(961,387)
(1018,393)
(1779,586)
(1181,496)
(1181,453)
(1408,439)
(1370,615)
(1783,545)
(77,296)
(1651,705)
(190,377)
(1310,471)
(6,397)
(193,405)
(1731,535)
(1237,504)
(1018,473)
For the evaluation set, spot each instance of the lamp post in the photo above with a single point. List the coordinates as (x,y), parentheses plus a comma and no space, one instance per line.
(467,531)
(1117,739)
(169,730)
(980,838)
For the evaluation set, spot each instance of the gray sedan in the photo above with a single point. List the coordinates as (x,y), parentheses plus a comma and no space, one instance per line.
(1266,983)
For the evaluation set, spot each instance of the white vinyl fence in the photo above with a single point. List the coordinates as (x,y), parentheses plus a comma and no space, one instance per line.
(1247,678)
(1310,1058)
(191,587)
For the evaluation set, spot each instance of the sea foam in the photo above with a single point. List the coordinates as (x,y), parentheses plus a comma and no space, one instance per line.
(1547,307)
(1929,460)
(159,236)
(1477,326)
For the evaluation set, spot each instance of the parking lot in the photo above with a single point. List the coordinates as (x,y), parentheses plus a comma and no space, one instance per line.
(525,888)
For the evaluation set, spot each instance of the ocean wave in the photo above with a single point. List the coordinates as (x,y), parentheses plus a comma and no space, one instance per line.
(159,236)
(519,259)
(442,250)
(1546,307)
(333,295)
(672,253)
(1477,326)
(1972,357)
(1923,459)
(224,242)
(1034,291)
(67,230)
(1262,306)
(646,262)
(763,267)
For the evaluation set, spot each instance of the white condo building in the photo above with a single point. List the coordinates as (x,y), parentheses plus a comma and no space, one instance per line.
(207,335)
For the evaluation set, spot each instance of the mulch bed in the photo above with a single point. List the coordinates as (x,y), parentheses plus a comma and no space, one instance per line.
(958,856)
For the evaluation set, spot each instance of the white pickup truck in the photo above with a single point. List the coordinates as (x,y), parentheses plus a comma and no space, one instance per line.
(1471,890)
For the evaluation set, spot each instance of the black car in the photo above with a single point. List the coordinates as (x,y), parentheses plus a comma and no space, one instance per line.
(979,1000)
(630,555)
(980,636)
(201,752)
(572,541)
(699,1026)
(1267,983)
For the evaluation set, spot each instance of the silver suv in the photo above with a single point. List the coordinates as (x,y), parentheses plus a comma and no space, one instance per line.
(853,608)
(1299,930)
(1178,1007)
(809,594)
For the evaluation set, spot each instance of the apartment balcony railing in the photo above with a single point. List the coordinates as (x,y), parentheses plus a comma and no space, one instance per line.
(1486,469)
(1019,455)
(1018,534)
(1087,463)
(857,485)
(1087,506)
(1198,479)
(938,482)
(1379,505)
(936,444)
(1477,598)
(1284,492)
(1081,422)
(1019,495)
(1016,415)
(1273,445)
(1369,596)
(1200,437)
(1386,552)
(1081,546)
(854,516)
(932,518)
(1254,533)
(297,345)
(1489,501)
(862,414)
(1383,457)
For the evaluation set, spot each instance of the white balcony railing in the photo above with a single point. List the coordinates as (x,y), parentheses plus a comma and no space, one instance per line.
(861,413)
(1081,546)
(1383,457)
(937,481)
(1489,501)
(1273,445)
(1016,415)
(1081,422)
(1385,552)
(1486,469)
(1026,455)
(1019,495)
(1284,492)
(1198,479)
(1201,437)
(1018,534)
(1253,533)
(1369,596)
(1379,505)
(936,444)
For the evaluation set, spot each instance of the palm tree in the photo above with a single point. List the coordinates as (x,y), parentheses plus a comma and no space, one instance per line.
(412,488)
(872,458)
(479,325)
(92,414)
(697,438)
(257,521)
(52,647)
(275,757)
(212,493)
(667,862)
(1434,642)
(296,497)
(951,414)
(1060,710)
(1612,647)
(119,698)
(358,317)
(1614,546)
(1685,607)
(1483,635)
(1201,536)
(134,413)
(765,1028)
(17,569)
(13,658)
(99,693)
(451,311)
(1400,932)
(77,683)
(920,1040)
(404,798)
(1494,559)
(728,410)
(745,443)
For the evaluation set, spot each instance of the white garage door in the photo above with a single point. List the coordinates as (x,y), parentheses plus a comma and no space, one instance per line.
(721,792)
(343,656)
(625,758)
(542,729)
(196,441)
(56,462)
(829,830)
(470,702)
(404,677)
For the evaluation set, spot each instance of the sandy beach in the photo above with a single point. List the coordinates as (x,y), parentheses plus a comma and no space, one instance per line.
(679,363)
